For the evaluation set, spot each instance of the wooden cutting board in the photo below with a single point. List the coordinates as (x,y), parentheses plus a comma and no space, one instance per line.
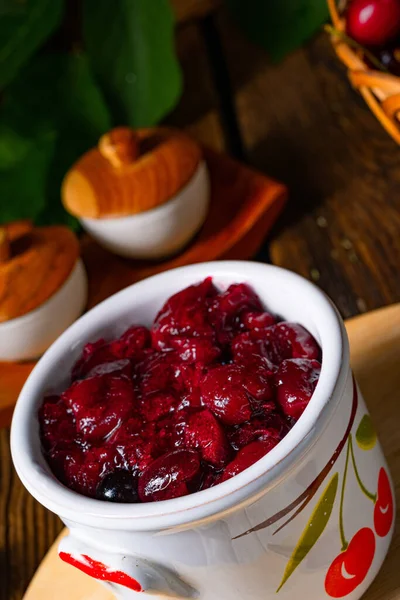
(375,356)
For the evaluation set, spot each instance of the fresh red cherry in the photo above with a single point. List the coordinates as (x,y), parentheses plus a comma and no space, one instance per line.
(204,433)
(383,512)
(247,456)
(169,476)
(373,22)
(296,380)
(350,568)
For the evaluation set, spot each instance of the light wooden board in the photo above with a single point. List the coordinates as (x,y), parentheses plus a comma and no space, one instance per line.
(375,350)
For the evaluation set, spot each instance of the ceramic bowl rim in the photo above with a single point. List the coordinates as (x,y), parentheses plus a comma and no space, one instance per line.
(267,472)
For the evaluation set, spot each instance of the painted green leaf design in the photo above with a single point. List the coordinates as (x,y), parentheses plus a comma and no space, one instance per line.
(366,434)
(313,529)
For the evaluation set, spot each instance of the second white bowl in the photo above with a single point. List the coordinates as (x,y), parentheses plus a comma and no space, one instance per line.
(28,336)
(160,232)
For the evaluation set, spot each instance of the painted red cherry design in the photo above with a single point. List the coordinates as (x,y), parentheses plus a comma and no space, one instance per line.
(383,512)
(350,568)
(99,570)
(373,22)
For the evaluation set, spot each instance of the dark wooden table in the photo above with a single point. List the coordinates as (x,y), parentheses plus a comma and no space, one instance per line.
(302,123)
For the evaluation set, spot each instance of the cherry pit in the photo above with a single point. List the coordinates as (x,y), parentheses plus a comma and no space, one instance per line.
(212,387)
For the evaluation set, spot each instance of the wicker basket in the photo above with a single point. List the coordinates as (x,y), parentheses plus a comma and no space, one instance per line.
(380,90)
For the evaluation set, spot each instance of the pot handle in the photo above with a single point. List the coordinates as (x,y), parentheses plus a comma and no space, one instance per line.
(125,575)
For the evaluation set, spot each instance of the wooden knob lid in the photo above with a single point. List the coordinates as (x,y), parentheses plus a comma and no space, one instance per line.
(34,264)
(130,172)
(4,245)
(119,147)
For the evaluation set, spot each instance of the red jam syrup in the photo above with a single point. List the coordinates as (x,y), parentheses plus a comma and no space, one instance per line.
(210,389)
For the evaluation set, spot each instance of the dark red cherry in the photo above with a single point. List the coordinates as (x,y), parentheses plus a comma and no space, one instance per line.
(373,22)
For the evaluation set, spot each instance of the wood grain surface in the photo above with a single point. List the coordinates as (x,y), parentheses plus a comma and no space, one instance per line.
(303,123)
(375,361)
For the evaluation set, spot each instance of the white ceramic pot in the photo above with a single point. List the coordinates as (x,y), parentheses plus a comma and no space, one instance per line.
(160,232)
(306,521)
(28,336)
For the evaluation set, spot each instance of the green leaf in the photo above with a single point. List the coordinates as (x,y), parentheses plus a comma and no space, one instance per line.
(280,26)
(366,435)
(23,186)
(13,147)
(56,94)
(24,26)
(313,529)
(131,47)
(60,89)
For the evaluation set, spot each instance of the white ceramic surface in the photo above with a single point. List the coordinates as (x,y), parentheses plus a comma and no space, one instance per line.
(224,543)
(159,232)
(28,336)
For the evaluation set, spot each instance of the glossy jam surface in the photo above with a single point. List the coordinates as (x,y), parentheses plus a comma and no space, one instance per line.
(156,414)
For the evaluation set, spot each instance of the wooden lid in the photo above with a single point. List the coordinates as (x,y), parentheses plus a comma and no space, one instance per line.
(34,263)
(130,172)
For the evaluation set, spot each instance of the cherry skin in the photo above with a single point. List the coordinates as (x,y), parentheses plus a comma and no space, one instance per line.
(373,22)
(168,476)
(223,392)
(204,433)
(350,568)
(247,456)
(383,512)
(296,380)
